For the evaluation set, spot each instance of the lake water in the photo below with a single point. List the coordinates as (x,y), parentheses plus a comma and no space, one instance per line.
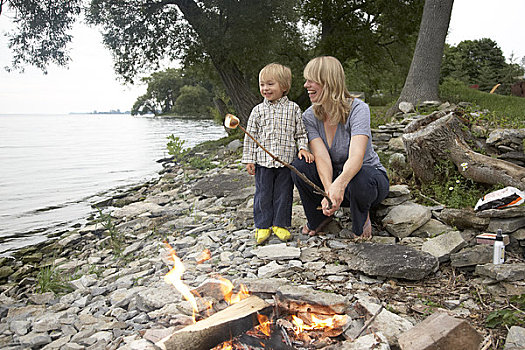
(53,167)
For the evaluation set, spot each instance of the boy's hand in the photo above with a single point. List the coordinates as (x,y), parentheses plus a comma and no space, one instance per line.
(308,157)
(250,168)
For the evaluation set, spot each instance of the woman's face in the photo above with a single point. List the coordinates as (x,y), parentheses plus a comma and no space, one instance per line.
(314,90)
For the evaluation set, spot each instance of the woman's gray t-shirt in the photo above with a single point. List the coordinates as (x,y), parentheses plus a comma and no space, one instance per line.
(358,123)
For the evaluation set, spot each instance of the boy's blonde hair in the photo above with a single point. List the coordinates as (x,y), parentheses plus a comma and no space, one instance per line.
(333,103)
(278,72)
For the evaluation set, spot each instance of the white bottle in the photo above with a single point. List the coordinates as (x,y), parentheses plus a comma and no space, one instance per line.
(499,249)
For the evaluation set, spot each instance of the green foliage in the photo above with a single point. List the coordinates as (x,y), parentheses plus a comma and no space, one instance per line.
(143,105)
(51,279)
(217,41)
(479,62)
(450,188)
(506,111)
(378,116)
(42,31)
(514,316)
(175,147)
(201,163)
(176,91)
(374,40)
(193,100)
(116,239)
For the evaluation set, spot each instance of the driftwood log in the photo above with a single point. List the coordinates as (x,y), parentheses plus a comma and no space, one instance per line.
(220,327)
(442,136)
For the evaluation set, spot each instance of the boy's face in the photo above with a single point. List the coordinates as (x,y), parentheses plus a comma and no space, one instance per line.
(270,89)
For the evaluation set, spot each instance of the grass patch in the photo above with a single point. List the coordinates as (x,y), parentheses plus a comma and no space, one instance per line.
(450,188)
(116,240)
(502,111)
(51,279)
(378,116)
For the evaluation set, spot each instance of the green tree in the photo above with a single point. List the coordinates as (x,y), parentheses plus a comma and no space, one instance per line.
(165,89)
(374,39)
(42,31)
(232,39)
(479,62)
(193,100)
(143,106)
(236,36)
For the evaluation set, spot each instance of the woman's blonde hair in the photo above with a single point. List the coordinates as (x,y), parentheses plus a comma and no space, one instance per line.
(333,103)
(281,74)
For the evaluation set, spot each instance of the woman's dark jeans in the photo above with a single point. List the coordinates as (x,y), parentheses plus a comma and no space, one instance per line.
(366,190)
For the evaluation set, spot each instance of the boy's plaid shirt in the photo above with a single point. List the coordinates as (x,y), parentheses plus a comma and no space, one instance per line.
(279,128)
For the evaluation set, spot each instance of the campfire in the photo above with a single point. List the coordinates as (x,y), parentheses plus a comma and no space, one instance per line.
(249,322)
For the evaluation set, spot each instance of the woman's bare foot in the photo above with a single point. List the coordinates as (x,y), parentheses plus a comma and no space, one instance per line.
(318,230)
(307,231)
(367,229)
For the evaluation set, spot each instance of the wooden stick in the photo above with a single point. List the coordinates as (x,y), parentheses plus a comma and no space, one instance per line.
(317,189)
(487,342)
(369,322)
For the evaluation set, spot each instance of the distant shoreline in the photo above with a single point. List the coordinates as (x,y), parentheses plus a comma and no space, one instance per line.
(96,112)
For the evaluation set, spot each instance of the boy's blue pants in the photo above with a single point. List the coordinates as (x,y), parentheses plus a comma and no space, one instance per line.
(272,205)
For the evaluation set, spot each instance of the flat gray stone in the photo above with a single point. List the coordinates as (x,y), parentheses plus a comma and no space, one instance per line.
(502,272)
(471,256)
(221,185)
(506,225)
(431,228)
(515,339)
(442,246)
(390,260)
(404,219)
(463,219)
(277,252)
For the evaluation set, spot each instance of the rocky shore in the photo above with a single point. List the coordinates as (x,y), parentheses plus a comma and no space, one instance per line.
(421,261)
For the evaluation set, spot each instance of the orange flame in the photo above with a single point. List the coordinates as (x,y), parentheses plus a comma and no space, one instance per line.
(264,325)
(203,256)
(174,276)
(229,296)
(320,322)
(227,345)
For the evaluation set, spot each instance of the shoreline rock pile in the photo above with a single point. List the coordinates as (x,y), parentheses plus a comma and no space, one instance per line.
(420,261)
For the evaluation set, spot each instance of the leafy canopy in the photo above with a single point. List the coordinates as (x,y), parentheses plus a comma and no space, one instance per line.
(479,62)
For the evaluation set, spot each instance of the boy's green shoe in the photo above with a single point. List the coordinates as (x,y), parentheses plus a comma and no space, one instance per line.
(282,233)
(261,235)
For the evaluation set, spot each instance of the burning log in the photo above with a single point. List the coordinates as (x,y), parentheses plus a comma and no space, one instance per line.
(222,326)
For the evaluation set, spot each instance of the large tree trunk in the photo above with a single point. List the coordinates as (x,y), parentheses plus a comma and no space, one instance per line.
(233,79)
(237,88)
(422,82)
(439,137)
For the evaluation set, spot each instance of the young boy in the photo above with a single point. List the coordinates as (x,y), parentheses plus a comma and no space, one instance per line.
(278,125)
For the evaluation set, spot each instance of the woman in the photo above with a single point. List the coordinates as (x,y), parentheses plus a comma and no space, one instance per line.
(339,136)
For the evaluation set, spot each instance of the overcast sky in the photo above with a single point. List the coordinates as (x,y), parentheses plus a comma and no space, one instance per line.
(90,84)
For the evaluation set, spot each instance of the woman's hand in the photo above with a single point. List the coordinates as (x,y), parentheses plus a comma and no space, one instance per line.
(336,193)
(336,190)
